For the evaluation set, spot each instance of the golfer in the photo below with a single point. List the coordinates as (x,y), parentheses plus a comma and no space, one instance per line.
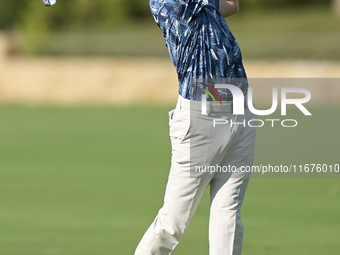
(201,46)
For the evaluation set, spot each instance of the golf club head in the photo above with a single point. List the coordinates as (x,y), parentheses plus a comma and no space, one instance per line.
(48,3)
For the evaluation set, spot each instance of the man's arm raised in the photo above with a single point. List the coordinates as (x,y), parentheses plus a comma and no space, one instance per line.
(228,7)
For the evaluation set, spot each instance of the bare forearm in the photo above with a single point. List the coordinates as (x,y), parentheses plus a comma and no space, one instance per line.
(228,7)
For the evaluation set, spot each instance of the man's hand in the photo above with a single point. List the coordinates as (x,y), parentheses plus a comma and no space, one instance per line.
(228,7)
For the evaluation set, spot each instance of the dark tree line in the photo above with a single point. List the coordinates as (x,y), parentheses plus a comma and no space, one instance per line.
(105,13)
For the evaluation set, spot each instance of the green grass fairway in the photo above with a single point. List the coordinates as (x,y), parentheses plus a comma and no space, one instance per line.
(89,181)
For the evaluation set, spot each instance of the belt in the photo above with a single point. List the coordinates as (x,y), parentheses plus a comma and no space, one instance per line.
(227,106)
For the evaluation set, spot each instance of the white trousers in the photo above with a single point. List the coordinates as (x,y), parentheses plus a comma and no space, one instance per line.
(194,141)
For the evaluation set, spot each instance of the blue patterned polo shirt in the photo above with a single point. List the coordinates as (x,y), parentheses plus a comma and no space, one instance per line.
(199,42)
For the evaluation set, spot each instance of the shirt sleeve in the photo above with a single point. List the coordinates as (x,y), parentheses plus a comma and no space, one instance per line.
(183,11)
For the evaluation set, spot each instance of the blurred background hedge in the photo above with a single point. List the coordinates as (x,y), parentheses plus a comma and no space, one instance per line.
(85,14)
(264,28)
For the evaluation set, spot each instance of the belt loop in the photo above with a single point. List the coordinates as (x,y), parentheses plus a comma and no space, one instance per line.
(180,102)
